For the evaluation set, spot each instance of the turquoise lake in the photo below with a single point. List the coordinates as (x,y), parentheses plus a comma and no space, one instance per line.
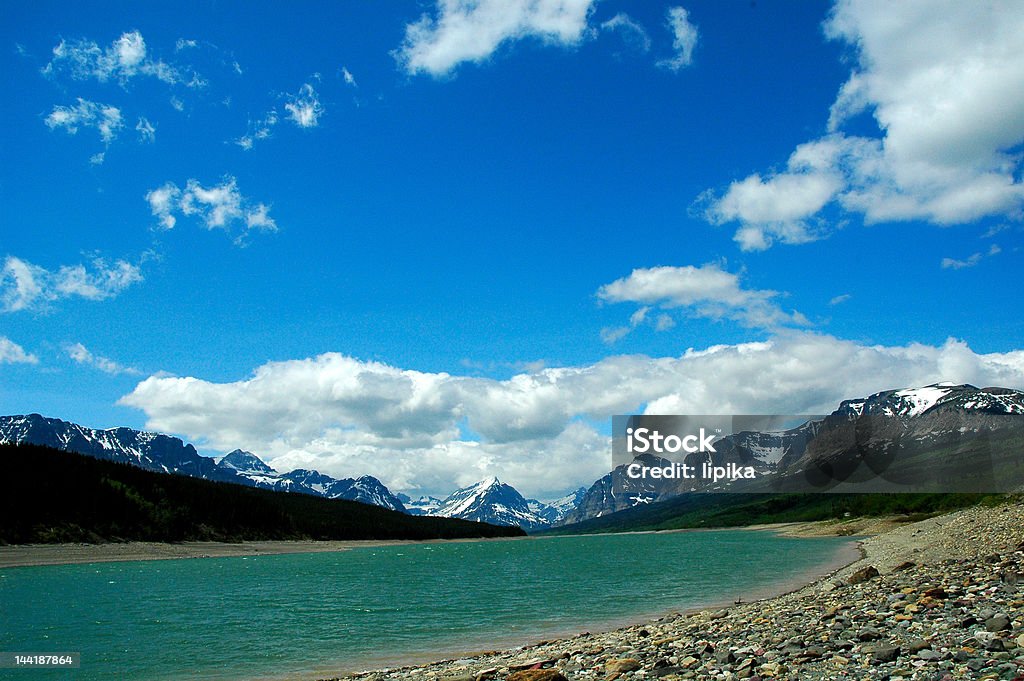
(304,616)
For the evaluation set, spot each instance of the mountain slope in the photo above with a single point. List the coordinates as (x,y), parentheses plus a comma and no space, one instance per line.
(81,498)
(424,505)
(151,451)
(166,454)
(554,512)
(936,438)
(491,501)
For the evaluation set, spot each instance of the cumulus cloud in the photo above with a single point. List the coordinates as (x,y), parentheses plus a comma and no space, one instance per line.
(779,207)
(12,353)
(80,354)
(941,81)
(539,430)
(125,58)
(220,206)
(25,286)
(348,77)
(707,291)
(684,39)
(104,118)
(472,30)
(304,108)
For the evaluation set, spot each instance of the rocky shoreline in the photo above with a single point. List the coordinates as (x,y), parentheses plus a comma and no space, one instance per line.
(937,600)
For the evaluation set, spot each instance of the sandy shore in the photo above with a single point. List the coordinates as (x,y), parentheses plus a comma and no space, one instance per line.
(25,555)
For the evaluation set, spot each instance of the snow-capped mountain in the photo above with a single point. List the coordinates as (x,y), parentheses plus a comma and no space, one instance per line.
(166,454)
(424,505)
(491,501)
(913,402)
(253,471)
(152,451)
(923,437)
(246,462)
(555,511)
(368,490)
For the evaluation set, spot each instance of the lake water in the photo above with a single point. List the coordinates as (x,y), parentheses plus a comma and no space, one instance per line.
(309,615)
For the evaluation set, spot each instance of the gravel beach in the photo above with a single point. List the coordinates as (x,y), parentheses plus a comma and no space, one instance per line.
(936,600)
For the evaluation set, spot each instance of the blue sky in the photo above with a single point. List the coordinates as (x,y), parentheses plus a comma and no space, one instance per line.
(438,242)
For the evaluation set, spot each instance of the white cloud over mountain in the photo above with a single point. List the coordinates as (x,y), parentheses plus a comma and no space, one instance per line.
(538,430)
(941,81)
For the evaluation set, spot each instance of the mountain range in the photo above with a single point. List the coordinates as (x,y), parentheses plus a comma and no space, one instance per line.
(937,438)
(488,501)
(926,438)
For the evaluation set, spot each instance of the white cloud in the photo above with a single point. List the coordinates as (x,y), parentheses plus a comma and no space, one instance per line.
(125,58)
(664,322)
(471,30)
(305,109)
(707,291)
(684,39)
(104,118)
(778,207)
(631,31)
(12,353)
(941,81)
(185,44)
(348,77)
(219,206)
(80,354)
(970,261)
(537,430)
(840,299)
(24,285)
(146,130)
(951,263)
(613,334)
(258,131)
(163,202)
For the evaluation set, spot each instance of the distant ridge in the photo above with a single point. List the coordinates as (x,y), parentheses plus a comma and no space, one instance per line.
(946,431)
(167,454)
(65,497)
